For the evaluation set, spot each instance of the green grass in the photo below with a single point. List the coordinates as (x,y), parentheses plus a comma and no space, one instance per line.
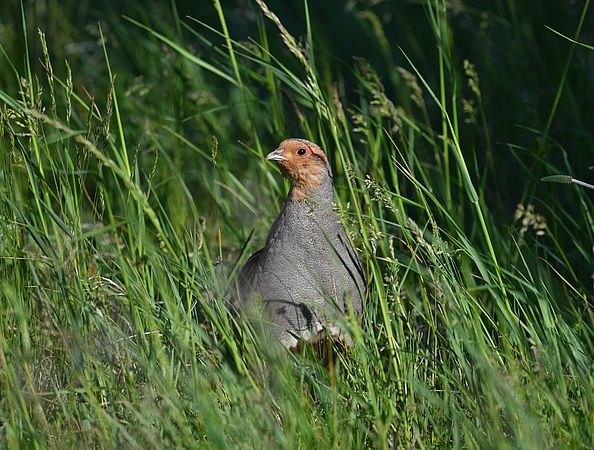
(132,176)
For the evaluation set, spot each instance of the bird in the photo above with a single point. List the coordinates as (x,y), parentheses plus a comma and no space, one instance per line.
(308,272)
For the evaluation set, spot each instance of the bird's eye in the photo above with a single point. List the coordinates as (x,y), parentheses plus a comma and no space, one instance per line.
(301,152)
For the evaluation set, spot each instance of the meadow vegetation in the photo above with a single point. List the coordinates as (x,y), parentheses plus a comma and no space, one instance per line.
(133,187)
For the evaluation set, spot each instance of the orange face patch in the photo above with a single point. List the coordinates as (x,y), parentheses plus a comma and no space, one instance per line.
(303,163)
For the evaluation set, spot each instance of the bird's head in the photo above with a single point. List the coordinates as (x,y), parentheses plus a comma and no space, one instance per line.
(304,164)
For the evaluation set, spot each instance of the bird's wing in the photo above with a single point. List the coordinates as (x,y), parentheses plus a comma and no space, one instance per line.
(353,265)
(249,275)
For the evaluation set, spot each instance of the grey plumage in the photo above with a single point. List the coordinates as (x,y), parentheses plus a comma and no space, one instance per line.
(308,271)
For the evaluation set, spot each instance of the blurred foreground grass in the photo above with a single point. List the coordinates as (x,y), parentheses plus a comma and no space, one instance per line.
(131,176)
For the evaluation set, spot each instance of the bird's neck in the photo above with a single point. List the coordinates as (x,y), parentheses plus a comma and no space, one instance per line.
(319,191)
(299,217)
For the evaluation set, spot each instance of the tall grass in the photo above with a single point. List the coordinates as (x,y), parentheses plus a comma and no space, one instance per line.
(129,193)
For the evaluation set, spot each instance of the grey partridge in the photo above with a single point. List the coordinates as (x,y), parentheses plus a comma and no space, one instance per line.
(307,272)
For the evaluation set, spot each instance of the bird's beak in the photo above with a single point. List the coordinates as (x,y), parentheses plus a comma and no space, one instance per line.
(276,155)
